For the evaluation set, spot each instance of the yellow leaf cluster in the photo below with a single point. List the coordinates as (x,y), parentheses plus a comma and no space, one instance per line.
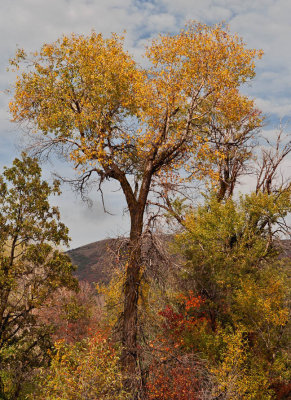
(87,93)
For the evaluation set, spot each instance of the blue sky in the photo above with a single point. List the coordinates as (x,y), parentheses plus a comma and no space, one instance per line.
(263,24)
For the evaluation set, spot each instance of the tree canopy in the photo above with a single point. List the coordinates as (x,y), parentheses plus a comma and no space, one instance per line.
(89,94)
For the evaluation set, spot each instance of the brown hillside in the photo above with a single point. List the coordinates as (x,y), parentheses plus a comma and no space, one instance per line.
(96,261)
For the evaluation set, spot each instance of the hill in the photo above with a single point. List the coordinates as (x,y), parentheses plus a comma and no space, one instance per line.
(97,260)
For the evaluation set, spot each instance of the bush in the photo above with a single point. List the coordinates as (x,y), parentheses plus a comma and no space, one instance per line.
(86,370)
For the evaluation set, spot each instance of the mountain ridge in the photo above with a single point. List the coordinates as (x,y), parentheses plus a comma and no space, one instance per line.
(96,261)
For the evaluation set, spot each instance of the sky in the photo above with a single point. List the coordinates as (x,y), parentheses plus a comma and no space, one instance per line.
(263,24)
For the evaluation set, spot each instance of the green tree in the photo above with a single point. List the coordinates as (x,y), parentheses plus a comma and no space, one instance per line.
(31,269)
(233,262)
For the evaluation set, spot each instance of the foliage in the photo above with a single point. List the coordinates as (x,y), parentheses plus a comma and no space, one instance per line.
(72,315)
(227,243)
(173,381)
(83,89)
(234,366)
(86,370)
(232,263)
(31,269)
(240,375)
(175,371)
(112,296)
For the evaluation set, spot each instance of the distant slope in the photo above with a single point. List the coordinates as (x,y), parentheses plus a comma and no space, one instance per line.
(96,261)
(286,247)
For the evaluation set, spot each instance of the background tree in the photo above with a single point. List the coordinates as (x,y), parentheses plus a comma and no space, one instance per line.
(31,269)
(72,315)
(233,133)
(138,126)
(233,264)
(270,177)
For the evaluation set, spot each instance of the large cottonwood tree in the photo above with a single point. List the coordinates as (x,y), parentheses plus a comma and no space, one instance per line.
(139,126)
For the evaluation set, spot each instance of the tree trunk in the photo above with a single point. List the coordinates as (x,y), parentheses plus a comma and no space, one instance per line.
(130,356)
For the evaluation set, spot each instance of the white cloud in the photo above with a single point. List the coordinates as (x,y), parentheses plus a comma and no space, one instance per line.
(30,23)
(280,107)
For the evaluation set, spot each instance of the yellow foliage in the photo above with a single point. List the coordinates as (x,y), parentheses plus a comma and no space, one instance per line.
(113,296)
(88,93)
(87,370)
(236,377)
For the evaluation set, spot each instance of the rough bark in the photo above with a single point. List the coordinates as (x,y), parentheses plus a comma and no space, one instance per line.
(130,313)
(130,356)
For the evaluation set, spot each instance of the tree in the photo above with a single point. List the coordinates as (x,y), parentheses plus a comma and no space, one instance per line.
(138,126)
(31,269)
(232,129)
(233,262)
